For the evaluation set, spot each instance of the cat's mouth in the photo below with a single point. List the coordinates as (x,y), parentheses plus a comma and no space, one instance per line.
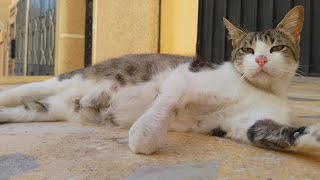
(263,73)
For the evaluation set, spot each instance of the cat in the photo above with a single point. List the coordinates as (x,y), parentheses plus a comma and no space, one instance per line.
(151,94)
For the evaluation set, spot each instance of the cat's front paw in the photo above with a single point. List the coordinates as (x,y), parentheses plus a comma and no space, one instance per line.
(310,139)
(144,139)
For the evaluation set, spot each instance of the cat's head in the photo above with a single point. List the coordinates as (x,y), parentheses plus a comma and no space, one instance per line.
(268,56)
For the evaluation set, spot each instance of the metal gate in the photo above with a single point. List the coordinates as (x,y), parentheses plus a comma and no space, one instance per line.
(20,37)
(255,15)
(41,37)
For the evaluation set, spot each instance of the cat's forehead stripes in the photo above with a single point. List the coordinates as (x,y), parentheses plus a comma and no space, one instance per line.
(270,37)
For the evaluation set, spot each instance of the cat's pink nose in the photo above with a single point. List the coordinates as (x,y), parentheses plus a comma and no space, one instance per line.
(261,60)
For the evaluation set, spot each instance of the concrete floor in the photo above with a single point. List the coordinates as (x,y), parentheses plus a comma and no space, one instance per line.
(64,150)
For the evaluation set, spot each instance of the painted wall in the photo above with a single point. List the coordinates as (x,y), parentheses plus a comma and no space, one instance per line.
(70,28)
(179,20)
(4,10)
(124,27)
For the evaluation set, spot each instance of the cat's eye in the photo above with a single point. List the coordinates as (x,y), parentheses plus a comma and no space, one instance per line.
(247,50)
(277,48)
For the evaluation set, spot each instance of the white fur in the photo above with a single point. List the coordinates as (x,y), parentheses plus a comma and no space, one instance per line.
(233,105)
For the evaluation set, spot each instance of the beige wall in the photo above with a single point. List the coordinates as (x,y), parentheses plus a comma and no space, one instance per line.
(4,10)
(179,20)
(2,52)
(70,29)
(124,27)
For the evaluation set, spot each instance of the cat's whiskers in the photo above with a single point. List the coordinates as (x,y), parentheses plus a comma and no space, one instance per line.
(283,71)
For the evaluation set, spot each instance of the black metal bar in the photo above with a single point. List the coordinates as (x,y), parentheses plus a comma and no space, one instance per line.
(265,14)
(249,15)
(88,33)
(315,47)
(305,35)
(234,16)
(219,32)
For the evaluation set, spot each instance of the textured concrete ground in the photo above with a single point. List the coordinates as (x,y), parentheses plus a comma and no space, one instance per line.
(64,150)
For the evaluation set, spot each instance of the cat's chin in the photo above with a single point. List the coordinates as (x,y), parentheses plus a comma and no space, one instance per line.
(260,79)
(260,76)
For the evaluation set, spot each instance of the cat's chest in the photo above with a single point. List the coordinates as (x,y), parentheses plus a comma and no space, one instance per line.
(205,103)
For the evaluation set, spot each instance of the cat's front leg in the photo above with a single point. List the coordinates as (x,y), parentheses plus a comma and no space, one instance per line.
(149,133)
(270,134)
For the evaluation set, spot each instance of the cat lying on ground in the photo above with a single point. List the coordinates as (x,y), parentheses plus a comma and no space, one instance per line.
(244,100)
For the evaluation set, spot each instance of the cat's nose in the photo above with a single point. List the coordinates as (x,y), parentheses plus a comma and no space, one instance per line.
(261,60)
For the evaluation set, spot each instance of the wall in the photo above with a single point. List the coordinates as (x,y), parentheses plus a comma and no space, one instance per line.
(4,10)
(2,52)
(70,28)
(124,27)
(179,26)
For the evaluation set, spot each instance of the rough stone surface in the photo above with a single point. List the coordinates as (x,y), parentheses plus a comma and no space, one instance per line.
(32,128)
(200,171)
(15,164)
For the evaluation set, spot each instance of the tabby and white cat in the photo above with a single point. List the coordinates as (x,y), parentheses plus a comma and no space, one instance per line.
(244,99)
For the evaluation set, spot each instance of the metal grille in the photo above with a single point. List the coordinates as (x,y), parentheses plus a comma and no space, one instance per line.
(20,37)
(255,15)
(41,37)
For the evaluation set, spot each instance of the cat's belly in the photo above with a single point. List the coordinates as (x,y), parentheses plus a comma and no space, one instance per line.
(202,118)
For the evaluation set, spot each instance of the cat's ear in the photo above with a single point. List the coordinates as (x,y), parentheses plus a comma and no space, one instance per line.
(293,22)
(234,32)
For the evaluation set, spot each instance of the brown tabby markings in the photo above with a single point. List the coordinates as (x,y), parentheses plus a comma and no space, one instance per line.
(69,75)
(272,135)
(120,79)
(199,64)
(130,69)
(37,106)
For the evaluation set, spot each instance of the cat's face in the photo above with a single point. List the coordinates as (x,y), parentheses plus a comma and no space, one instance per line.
(262,57)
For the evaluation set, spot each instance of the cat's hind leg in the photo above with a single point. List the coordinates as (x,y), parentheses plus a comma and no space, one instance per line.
(53,108)
(31,91)
(97,100)
(99,96)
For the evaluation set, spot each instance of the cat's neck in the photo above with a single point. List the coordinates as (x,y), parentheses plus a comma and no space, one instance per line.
(278,86)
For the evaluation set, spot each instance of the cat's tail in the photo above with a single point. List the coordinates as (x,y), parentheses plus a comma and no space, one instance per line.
(31,92)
